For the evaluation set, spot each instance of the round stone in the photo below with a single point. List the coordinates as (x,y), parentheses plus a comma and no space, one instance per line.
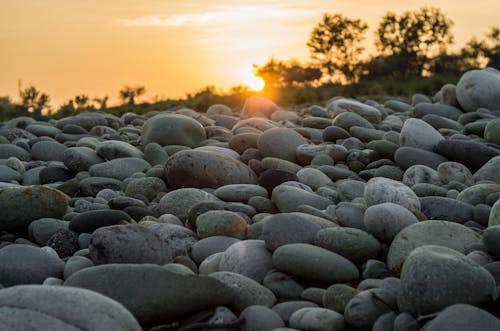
(210,245)
(314,263)
(26,264)
(146,186)
(380,190)
(221,223)
(89,221)
(200,169)
(128,244)
(443,233)
(179,202)
(246,292)
(258,106)
(315,318)
(280,143)
(240,192)
(434,277)
(249,258)
(114,149)
(48,151)
(386,220)
(36,307)
(492,131)
(454,171)
(354,244)
(313,178)
(289,198)
(479,89)
(120,168)
(337,296)
(42,202)
(418,134)
(260,318)
(461,316)
(172,129)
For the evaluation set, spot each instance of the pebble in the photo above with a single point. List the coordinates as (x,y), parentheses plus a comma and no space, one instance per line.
(249,258)
(260,318)
(317,319)
(289,198)
(172,129)
(418,134)
(379,190)
(280,143)
(89,221)
(384,221)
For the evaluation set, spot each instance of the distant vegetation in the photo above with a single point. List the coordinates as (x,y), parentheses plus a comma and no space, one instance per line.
(413,55)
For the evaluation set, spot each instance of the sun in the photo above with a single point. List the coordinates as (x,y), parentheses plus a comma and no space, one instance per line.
(255,83)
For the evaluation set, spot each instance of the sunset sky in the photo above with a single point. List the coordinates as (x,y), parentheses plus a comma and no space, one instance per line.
(70,47)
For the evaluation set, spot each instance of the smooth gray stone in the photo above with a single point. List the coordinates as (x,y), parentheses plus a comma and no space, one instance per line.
(202,169)
(479,89)
(260,318)
(80,158)
(75,264)
(179,239)
(446,111)
(286,309)
(463,317)
(448,234)
(489,171)
(418,134)
(89,221)
(491,239)
(26,264)
(354,244)
(130,243)
(42,229)
(288,228)
(315,318)
(42,202)
(367,306)
(282,285)
(245,291)
(152,293)
(9,150)
(406,157)
(434,277)
(113,149)
(280,143)
(460,150)
(447,209)
(36,307)
(210,245)
(146,186)
(249,258)
(48,151)
(119,168)
(314,263)
(386,220)
(288,198)
(8,174)
(92,185)
(172,129)
(379,190)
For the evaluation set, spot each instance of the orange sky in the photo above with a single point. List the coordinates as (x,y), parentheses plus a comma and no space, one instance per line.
(70,47)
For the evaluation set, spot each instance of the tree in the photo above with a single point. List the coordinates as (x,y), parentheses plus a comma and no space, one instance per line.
(335,44)
(33,100)
(128,94)
(280,74)
(102,102)
(81,101)
(414,38)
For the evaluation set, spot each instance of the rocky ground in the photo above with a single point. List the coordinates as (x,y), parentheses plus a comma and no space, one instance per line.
(352,216)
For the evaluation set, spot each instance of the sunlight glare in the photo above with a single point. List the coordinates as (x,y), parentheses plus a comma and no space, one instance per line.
(256,83)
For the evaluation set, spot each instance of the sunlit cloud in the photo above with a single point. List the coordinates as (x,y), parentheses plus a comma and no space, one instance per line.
(228,14)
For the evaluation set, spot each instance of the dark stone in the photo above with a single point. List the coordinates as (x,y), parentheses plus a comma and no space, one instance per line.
(64,242)
(55,174)
(271,178)
(470,153)
(89,221)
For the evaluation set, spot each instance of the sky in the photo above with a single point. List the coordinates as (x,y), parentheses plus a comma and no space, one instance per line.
(95,47)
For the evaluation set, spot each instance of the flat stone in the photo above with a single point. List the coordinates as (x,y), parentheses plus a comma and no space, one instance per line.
(454,171)
(36,307)
(260,318)
(406,157)
(80,158)
(89,221)
(9,150)
(446,209)
(221,223)
(240,192)
(366,111)
(489,171)
(314,263)
(152,293)
(145,186)
(92,185)
(179,202)
(211,245)
(459,150)
(460,316)
(178,239)
(447,111)
(113,149)
(42,229)
(120,168)
(48,151)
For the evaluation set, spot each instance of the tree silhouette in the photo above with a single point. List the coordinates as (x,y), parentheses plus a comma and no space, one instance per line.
(33,100)
(128,94)
(278,73)
(102,102)
(335,44)
(82,101)
(412,39)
